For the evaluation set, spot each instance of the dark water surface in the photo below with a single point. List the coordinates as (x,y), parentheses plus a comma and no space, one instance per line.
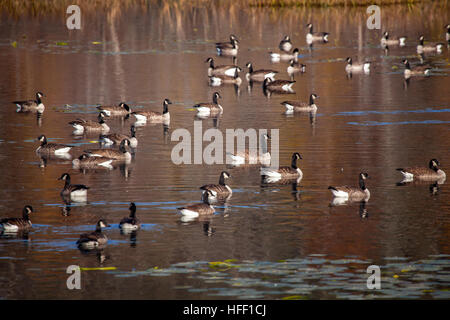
(267,241)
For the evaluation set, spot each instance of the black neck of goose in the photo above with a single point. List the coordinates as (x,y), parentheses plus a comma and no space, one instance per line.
(222,180)
(133,132)
(67,182)
(407,66)
(44,141)
(310,29)
(250,69)
(100,119)
(362,184)
(211,63)
(215,99)
(25,214)
(350,61)
(205,198)
(421,41)
(98,228)
(165,107)
(294,163)
(38,99)
(311,100)
(433,166)
(133,212)
(122,147)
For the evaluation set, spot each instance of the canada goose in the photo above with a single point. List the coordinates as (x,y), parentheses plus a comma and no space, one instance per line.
(117,138)
(86,162)
(431,47)
(259,75)
(51,148)
(447,34)
(220,190)
(31,105)
(224,79)
(121,110)
(295,67)
(293,106)
(285,56)
(228,48)
(315,36)
(285,44)
(143,116)
(81,125)
(432,173)
(199,209)
(247,157)
(223,70)
(356,67)
(278,85)
(418,70)
(16,224)
(94,239)
(292,172)
(130,222)
(385,41)
(353,193)
(121,154)
(208,107)
(75,191)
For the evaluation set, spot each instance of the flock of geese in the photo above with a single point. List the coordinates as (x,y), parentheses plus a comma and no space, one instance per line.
(212,193)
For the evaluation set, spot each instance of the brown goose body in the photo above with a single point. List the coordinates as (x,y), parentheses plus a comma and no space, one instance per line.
(220,190)
(199,209)
(82,125)
(117,138)
(285,172)
(93,239)
(285,44)
(253,157)
(31,105)
(428,48)
(74,191)
(51,148)
(86,162)
(352,193)
(432,173)
(121,154)
(130,222)
(152,116)
(211,108)
(17,224)
(222,70)
(281,86)
(228,48)
(298,106)
(260,74)
(118,111)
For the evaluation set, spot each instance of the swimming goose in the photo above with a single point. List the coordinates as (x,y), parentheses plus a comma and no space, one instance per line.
(130,222)
(295,67)
(154,117)
(51,148)
(220,190)
(121,110)
(285,56)
(356,67)
(200,209)
(292,172)
(278,85)
(86,162)
(285,44)
(228,48)
(259,75)
(81,125)
(385,41)
(223,70)
(16,224)
(117,138)
(74,191)
(296,106)
(315,36)
(353,193)
(31,105)
(247,157)
(432,173)
(417,70)
(208,107)
(223,79)
(431,47)
(94,239)
(121,154)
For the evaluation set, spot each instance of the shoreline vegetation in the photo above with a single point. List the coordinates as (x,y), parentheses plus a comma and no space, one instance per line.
(37,7)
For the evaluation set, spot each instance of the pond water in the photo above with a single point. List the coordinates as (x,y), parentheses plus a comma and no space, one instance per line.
(281,241)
